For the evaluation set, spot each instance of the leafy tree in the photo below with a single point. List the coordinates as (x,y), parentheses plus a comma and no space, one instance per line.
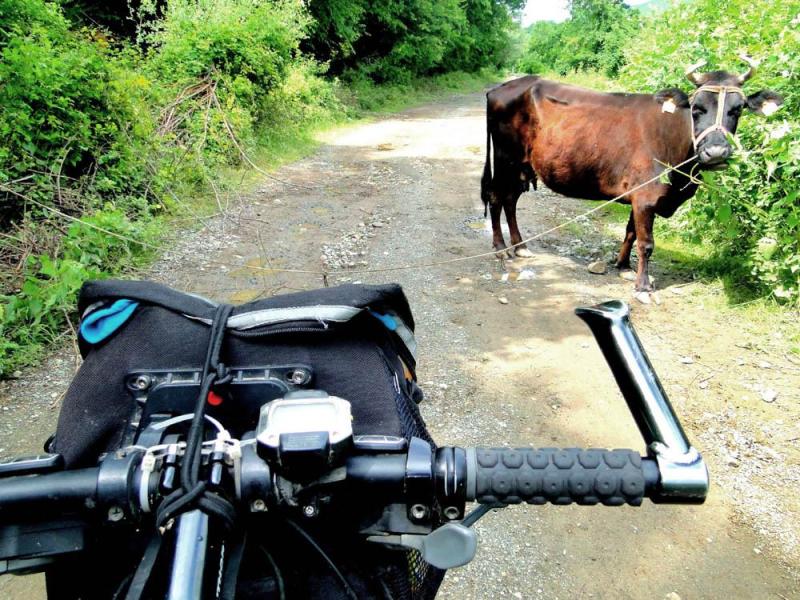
(592,39)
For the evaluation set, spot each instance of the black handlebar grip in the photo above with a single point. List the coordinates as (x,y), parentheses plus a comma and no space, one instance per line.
(503,476)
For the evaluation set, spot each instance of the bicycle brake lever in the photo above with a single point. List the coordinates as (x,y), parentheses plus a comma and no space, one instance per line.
(451,545)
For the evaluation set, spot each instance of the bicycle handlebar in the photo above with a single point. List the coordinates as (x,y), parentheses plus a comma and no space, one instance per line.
(493,476)
(433,485)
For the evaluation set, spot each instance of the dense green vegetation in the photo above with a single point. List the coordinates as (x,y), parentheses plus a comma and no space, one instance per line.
(115,113)
(747,217)
(593,38)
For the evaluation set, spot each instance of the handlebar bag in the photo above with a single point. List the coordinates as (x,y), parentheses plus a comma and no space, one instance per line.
(357,339)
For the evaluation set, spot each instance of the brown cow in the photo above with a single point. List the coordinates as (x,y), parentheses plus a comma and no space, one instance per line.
(587,144)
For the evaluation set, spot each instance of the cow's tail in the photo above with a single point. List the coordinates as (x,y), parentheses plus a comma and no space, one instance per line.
(486,180)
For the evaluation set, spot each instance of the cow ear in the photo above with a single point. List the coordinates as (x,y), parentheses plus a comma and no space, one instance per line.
(765,102)
(671,99)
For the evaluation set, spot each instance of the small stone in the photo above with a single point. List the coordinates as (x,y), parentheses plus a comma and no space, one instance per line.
(526,275)
(502,300)
(672,596)
(16,374)
(656,298)
(687,360)
(465,280)
(704,385)
(599,267)
(377,224)
(769,395)
(764,365)
(757,550)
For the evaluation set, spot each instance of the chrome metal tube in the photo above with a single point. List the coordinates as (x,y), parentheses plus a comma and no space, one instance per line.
(186,581)
(684,477)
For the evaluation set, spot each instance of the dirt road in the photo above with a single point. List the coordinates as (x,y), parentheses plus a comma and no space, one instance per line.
(404,190)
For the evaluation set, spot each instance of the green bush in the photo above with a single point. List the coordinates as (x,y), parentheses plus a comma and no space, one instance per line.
(750,212)
(62,112)
(245,49)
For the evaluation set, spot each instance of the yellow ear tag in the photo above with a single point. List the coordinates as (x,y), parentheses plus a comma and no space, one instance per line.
(769,108)
(668,106)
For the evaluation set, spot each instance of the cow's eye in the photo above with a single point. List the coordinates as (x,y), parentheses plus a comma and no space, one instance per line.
(698,110)
(735,111)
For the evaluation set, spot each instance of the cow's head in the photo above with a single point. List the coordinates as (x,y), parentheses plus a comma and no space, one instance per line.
(716,105)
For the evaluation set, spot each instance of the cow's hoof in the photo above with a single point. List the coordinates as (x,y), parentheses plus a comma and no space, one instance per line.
(647,297)
(628,274)
(523,252)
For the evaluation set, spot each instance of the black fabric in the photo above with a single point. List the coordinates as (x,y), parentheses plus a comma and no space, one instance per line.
(358,360)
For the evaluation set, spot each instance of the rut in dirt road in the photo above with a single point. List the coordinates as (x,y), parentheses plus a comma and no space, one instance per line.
(404,190)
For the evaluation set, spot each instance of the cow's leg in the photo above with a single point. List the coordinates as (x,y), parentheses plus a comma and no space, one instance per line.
(510,206)
(624,258)
(643,220)
(495,210)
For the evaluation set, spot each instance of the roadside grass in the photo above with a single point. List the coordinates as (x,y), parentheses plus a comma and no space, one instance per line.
(707,279)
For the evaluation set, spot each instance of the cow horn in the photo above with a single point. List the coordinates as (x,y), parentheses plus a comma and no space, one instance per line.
(752,71)
(696,78)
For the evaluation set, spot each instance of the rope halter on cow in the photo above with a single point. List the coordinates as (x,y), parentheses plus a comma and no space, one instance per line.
(699,79)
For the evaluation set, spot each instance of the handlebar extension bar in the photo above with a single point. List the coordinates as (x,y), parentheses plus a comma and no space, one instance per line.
(683,474)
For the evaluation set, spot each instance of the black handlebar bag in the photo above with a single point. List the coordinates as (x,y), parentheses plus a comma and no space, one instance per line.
(357,341)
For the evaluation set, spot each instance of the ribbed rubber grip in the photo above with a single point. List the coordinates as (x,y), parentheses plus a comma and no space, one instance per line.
(514,475)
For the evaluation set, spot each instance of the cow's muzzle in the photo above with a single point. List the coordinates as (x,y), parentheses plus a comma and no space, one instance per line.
(714,155)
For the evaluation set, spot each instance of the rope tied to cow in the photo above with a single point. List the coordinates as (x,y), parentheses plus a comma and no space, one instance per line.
(659,176)
(326,273)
